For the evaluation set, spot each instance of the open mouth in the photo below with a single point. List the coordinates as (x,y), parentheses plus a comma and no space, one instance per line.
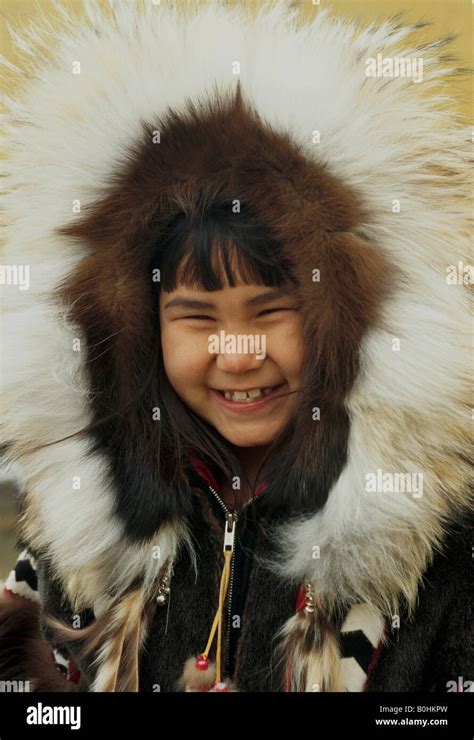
(252,395)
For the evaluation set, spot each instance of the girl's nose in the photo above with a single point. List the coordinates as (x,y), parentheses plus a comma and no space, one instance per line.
(240,353)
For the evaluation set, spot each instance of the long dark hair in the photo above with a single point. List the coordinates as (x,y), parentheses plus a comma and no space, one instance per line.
(193,251)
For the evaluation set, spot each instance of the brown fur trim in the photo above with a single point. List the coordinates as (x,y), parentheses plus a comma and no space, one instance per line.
(110,295)
(24,653)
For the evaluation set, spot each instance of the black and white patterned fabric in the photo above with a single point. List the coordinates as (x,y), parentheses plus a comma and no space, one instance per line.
(361,641)
(23,580)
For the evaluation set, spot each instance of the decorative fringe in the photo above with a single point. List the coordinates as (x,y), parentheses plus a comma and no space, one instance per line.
(119,656)
(309,650)
(118,635)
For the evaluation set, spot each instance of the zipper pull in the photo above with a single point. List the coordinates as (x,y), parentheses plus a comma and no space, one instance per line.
(229,532)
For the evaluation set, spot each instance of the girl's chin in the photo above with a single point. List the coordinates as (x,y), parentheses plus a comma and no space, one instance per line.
(246,433)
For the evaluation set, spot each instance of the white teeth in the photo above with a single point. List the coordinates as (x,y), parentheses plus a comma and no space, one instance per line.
(247,396)
(240,395)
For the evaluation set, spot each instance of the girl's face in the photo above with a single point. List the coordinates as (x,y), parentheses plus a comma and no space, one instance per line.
(242,338)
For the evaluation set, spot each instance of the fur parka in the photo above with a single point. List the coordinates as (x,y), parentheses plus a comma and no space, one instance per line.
(142,112)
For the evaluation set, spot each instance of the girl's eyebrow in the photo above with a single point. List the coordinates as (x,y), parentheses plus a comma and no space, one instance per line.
(255,301)
(188,303)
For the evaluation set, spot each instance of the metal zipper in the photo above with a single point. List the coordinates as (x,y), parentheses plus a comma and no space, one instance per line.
(231,517)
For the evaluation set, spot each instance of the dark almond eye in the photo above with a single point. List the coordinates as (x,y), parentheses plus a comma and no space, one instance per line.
(199,318)
(271,310)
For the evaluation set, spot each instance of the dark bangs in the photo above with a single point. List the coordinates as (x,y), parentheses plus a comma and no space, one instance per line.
(219,247)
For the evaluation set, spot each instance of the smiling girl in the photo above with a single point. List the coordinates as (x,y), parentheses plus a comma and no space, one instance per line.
(202,520)
(247,399)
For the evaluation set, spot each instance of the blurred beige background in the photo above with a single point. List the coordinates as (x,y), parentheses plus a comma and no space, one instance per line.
(447,17)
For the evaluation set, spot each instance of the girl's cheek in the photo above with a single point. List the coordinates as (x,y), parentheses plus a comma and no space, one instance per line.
(186,357)
(285,345)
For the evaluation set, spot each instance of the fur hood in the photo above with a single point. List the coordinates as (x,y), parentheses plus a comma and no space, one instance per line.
(363,178)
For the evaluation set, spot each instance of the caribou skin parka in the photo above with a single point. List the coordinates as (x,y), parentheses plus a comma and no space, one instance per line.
(352,564)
